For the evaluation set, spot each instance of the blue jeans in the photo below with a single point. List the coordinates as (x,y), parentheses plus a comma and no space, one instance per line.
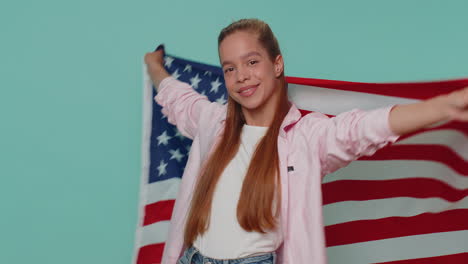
(193,256)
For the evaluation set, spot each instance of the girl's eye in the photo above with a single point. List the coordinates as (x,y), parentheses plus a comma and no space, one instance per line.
(252,62)
(230,69)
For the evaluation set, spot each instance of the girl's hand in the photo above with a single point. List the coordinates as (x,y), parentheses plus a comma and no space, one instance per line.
(457,105)
(155,66)
(155,59)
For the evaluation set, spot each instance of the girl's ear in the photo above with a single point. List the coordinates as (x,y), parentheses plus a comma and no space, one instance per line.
(279,65)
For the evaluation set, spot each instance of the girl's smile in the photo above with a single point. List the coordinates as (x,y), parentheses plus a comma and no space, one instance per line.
(248,90)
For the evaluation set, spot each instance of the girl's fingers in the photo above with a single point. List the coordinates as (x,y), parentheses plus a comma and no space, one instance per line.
(160,47)
(154,57)
(459,99)
(459,114)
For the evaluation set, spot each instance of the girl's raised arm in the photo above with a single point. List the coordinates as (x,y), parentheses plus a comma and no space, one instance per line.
(155,66)
(407,118)
(183,106)
(357,133)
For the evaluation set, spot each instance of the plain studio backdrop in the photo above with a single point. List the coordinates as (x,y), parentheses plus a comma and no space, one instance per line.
(71,96)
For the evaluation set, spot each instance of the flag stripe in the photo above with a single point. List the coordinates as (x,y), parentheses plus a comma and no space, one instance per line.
(398,169)
(459,126)
(461,258)
(368,190)
(150,254)
(400,248)
(448,138)
(419,90)
(155,233)
(347,211)
(318,99)
(145,159)
(159,211)
(435,153)
(164,190)
(353,232)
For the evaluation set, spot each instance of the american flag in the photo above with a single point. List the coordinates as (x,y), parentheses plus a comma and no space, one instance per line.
(406,204)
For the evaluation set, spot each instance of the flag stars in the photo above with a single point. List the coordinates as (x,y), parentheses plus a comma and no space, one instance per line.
(162,168)
(179,135)
(176,155)
(168,61)
(188,68)
(163,138)
(215,85)
(176,74)
(221,100)
(207,73)
(195,81)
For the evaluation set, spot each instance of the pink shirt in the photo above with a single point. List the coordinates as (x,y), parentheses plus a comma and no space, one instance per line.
(314,145)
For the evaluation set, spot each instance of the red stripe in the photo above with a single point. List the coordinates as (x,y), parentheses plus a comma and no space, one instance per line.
(352,190)
(437,153)
(461,258)
(391,227)
(415,90)
(150,254)
(159,211)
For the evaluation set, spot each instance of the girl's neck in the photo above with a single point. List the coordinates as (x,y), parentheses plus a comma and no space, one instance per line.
(263,115)
(260,117)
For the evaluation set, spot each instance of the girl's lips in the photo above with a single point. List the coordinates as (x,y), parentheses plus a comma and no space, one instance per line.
(248,92)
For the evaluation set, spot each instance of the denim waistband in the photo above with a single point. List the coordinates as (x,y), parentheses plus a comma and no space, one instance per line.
(193,255)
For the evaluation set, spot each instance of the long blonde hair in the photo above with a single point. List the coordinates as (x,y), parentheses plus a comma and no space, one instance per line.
(261,185)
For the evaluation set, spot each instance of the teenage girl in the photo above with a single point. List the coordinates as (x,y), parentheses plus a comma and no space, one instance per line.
(251,191)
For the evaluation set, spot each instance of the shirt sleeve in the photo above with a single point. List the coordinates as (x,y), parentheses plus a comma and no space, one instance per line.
(182,105)
(353,134)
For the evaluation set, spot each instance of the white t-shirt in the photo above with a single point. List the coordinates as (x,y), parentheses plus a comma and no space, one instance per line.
(225,238)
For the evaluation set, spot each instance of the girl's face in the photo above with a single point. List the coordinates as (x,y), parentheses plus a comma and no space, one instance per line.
(251,77)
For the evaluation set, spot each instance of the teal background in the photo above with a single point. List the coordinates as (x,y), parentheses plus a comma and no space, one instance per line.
(71,96)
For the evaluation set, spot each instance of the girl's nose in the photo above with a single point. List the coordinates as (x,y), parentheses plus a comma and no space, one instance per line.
(242,74)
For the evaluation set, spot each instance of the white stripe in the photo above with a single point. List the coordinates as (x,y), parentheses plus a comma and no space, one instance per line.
(154,233)
(453,139)
(402,248)
(163,190)
(343,212)
(330,101)
(145,158)
(398,169)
